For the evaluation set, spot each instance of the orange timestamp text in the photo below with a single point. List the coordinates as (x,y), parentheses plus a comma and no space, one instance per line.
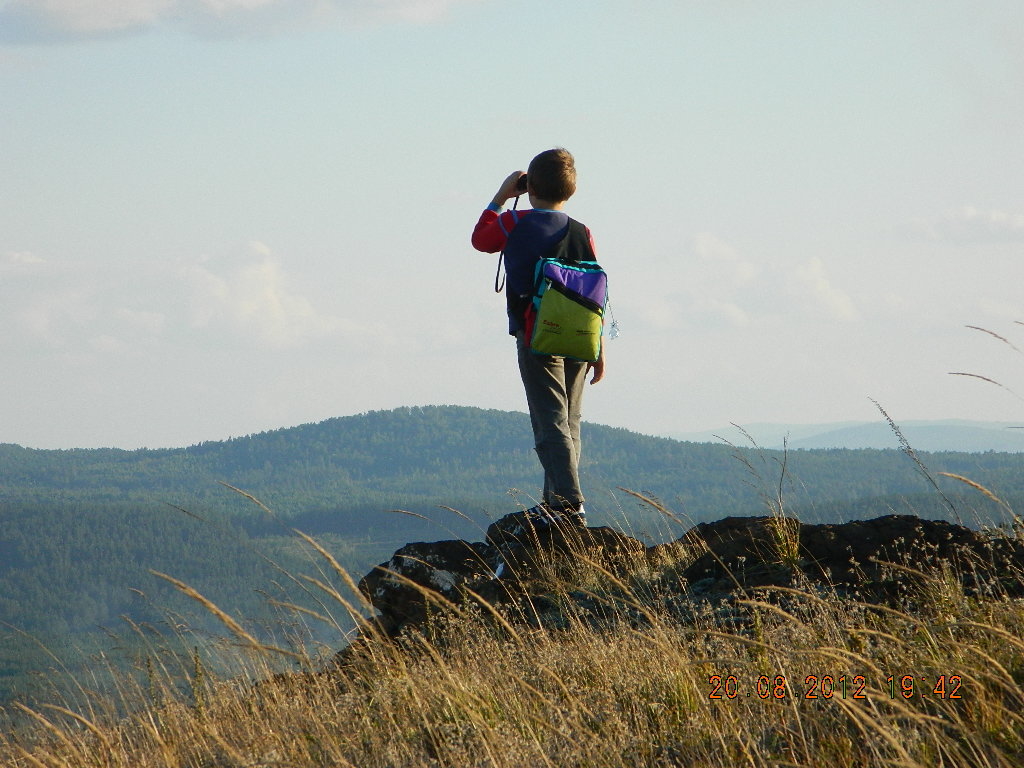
(725,687)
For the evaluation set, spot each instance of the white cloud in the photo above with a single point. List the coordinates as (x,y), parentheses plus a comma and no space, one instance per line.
(969,225)
(63,18)
(141,321)
(1005,309)
(721,286)
(222,7)
(19,262)
(417,11)
(49,20)
(106,345)
(726,312)
(737,291)
(714,250)
(256,299)
(246,296)
(52,317)
(810,282)
(716,285)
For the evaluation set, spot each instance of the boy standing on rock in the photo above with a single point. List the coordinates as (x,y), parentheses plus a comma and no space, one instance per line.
(554,385)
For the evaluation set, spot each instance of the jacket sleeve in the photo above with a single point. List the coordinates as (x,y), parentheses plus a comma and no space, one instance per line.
(491,230)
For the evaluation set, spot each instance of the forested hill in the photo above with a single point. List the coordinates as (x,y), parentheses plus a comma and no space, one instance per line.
(80,530)
(353,468)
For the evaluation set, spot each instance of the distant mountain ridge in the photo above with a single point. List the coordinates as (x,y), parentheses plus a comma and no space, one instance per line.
(931,436)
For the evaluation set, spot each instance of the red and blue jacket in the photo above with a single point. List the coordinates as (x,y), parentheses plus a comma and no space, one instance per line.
(537,230)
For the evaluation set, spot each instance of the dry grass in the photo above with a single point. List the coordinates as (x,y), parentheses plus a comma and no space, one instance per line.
(620,682)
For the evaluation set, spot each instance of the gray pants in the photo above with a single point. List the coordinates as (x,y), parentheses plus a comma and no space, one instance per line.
(554,392)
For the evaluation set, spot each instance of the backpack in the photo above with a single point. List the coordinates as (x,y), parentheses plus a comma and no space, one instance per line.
(566,312)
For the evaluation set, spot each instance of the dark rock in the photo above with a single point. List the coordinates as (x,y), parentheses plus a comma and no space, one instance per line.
(878,557)
(520,529)
(527,550)
(439,573)
(732,544)
(423,572)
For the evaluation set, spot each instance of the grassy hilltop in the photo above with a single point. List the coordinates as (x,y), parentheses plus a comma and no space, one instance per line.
(777,677)
(804,677)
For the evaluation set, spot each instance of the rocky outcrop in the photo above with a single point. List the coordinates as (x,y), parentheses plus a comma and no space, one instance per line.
(525,551)
(879,559)
(421,573)
(515,557)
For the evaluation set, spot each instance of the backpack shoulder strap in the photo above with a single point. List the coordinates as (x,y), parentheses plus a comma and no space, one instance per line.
(574,247)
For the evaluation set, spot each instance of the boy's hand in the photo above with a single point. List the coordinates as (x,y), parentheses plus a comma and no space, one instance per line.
(597,367)
(509,188)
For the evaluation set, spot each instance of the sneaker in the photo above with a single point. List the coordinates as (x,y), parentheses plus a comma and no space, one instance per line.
(575,518)
(541,516)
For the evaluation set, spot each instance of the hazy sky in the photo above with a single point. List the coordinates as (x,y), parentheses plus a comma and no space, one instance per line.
(219,217)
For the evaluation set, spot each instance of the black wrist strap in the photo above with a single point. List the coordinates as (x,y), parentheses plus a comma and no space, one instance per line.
(499,287)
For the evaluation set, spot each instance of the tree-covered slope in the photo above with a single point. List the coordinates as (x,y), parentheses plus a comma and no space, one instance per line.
(420,457)
(80,530)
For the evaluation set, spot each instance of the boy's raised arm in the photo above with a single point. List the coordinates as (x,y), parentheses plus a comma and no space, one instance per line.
(488,235)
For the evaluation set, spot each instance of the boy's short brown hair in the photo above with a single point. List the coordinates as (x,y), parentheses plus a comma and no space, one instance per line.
(552,175)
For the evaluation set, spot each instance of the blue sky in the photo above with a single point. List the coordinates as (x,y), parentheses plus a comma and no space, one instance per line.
(224,216)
